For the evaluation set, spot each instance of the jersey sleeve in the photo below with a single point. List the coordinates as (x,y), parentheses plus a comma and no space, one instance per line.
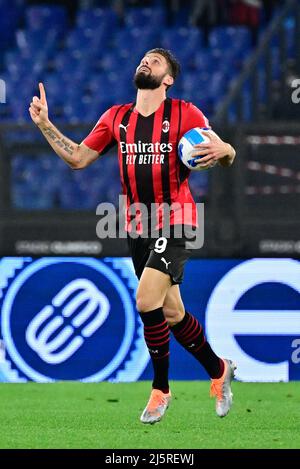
(101,138)
(193,117)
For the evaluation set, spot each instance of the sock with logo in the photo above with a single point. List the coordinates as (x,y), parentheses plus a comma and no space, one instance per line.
(189,333)
(157,338)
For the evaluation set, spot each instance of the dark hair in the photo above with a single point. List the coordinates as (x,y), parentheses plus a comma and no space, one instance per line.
(173,63)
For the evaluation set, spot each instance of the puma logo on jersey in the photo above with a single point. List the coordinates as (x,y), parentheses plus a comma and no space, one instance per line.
(165,262)
(152,351)
(124,127)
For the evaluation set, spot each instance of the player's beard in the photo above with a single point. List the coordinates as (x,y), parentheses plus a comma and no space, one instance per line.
(146,81)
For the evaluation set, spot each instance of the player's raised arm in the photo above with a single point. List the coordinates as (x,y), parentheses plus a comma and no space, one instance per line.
(76,156)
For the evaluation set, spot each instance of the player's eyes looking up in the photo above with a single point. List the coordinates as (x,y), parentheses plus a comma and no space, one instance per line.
(151,60)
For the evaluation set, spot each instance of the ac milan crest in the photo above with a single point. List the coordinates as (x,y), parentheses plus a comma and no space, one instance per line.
(165,126)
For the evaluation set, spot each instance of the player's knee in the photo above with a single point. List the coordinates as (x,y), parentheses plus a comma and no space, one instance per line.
(143,304)
(172,316)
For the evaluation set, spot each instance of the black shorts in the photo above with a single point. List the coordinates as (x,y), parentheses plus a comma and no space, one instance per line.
(168,255)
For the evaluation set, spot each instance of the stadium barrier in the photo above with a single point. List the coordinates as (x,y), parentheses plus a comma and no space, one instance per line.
(74,318)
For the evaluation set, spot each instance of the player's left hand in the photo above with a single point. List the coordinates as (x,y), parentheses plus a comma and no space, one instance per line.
(214,150)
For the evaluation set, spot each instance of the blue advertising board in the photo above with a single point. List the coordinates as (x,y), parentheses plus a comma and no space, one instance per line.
(75,319)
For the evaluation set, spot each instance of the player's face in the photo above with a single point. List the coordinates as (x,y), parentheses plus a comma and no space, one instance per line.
(151,72)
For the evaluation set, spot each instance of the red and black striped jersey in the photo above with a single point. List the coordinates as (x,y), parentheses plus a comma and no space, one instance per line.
(151,171)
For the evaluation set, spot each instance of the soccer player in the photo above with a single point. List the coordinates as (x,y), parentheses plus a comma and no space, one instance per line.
(147,134)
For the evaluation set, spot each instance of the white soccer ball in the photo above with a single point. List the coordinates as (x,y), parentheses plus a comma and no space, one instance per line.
(186,150)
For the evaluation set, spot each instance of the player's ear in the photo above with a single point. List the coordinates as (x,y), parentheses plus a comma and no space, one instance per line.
(168,80)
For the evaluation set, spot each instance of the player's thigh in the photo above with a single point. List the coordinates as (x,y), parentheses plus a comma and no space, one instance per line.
(139,252)
(169,256)
(173,306)
(152,289)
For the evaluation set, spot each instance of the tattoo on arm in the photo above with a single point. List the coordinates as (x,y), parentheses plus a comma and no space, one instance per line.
(58,140)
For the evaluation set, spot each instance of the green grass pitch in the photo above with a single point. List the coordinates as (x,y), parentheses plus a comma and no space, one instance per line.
(106,415)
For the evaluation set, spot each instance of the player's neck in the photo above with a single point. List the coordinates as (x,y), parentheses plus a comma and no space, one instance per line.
(148,101)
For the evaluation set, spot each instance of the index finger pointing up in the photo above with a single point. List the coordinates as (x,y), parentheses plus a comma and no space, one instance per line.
(42,93)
